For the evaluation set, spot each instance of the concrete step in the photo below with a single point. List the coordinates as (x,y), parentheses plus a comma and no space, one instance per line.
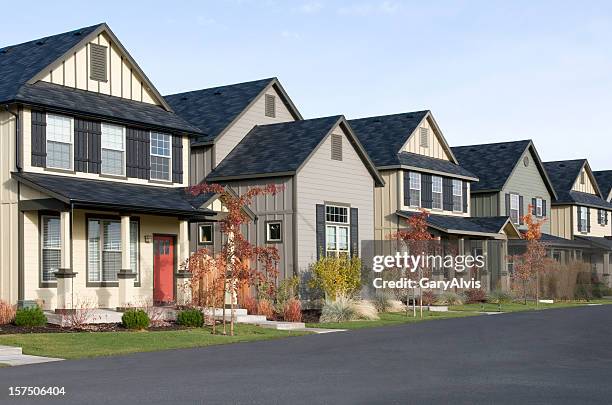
(282,325)
(8,351)
(218,312)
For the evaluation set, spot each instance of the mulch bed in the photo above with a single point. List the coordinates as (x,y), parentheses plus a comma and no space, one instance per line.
(102,327)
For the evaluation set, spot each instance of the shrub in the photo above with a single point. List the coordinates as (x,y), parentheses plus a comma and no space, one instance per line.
(191,318)
(340,310)
(428,297)
(396,306)
(382,302)
(292,311)
(336,275)
(135,319)
(7,313)
(365,310)
(499,297)
(250,304)
(475,296)
(449,298)
(287,290)
(265,307)
(30,317)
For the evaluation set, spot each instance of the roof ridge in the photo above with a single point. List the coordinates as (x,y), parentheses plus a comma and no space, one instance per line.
(268,79)
(492,143)
(390,115)
(51,36)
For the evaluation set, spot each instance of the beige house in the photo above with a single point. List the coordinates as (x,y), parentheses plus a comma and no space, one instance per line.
(93,176)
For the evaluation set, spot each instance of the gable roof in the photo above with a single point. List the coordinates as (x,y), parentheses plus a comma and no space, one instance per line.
(282,149)
(494,163)
(215,109)
(604,181)
(563,174)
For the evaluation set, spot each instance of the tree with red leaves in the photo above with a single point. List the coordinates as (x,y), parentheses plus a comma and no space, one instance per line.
(531,264)
(238,262)
(417,239)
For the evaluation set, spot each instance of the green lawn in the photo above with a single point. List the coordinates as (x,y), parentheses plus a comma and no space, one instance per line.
(517,307)
(93,344)
(395,318)
(4,365)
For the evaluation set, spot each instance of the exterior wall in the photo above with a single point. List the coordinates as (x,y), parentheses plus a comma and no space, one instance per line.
(587,187)
(27,161)
(386,203)
(123,81)
(254,115)
(561,221)
(485,204)
(527,182)
(597,230)
(105,297)
(8,210)
(323,180)
(403,207)
(200,163)
(435,149)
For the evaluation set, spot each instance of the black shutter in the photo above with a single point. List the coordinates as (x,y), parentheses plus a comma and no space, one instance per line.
(606,217)
(464,193)
(426,194)
(80,145)
(354,232)
(177,159)
(320,230)
(447,194)
(543,208)
(588,220)
(39,139)
(87,146)
(521,209)
(138,153)
(598,216)
(534,211)
(407,188)
(579,219)
(508,204)
(95,147)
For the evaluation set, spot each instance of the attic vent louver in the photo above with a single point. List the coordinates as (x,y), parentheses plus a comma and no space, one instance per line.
(270,106)
(336,147)
(97,62)
(424,137)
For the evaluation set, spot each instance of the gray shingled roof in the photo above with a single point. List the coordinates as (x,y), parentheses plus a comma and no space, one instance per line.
(213,109)
(604,180)
(492,163)
(280,149)
(601,243)
(563,175)
(20,63)
(432,164)
(117,195)
(457,224)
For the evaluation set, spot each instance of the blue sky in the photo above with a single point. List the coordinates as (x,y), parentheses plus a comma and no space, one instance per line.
(489,70)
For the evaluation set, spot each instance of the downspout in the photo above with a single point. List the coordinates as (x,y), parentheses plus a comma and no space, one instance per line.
(17,142)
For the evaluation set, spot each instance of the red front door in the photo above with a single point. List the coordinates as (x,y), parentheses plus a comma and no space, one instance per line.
(163,269)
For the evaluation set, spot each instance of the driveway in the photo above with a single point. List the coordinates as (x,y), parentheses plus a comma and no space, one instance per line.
(553,356)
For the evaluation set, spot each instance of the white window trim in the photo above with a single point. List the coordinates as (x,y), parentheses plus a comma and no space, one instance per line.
(212,234)
(539,207)
(337,225)
(441,193)
(348,214)
(124,150)
(515,198)
(459,194)
(165,157)
(268,238)
(584,213)
(410,188)
(101,250)
(71,157)
(42,248)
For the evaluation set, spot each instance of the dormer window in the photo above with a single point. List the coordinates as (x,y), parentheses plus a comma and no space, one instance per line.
(98,62)
(270,106)
(424,137)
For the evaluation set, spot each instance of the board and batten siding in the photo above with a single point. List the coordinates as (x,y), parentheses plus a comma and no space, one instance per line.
(386,203)
(122,79)
(561,221)
(587,187)
(435,148)
(200,163)
(485,204)
(400,185)
(323,180)
(9,216)
(527,182)
(255,114)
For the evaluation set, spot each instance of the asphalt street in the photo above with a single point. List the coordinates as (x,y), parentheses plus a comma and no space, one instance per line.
(560,356)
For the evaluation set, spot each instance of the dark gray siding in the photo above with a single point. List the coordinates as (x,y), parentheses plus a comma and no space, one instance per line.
(484,205)
(200,163)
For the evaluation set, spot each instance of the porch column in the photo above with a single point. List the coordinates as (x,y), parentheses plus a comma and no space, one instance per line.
(125,276)
(607,279)
(183,276)
(503,272)
(65,275)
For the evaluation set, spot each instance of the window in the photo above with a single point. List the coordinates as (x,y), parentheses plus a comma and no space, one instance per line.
(337,230)
(270,106)
(160,156)
(510,264)
(583,219)
(539,207)
(59,142)
(514,208)
(457,195)
(601,217)
(97,62)
(113,149)
(436,192)
(415,189)
(556,255)
(424,137)
(51,247)
(104,249)
(206,234)
(336,147)
(274,231)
